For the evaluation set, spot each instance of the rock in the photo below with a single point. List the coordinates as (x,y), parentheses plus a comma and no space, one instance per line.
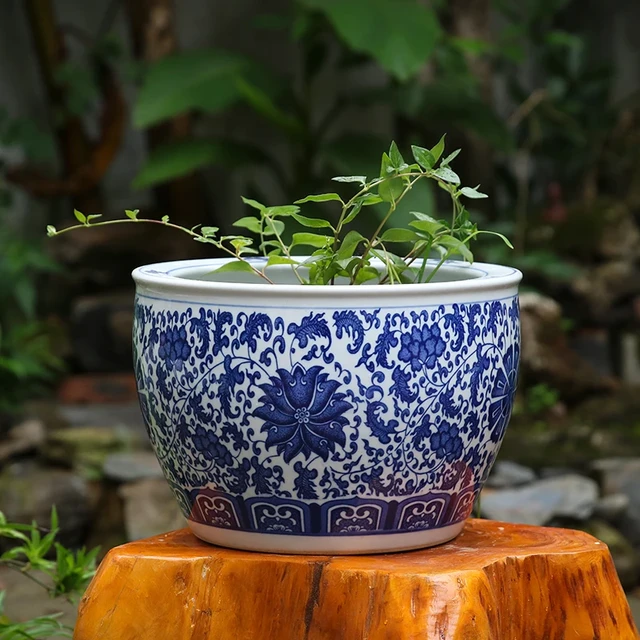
(570,496)
(622,476)
(86,448)
(28,492)
(623,553)
(509,474)
(606,288)
(150,509)
(612,507)
(554,472)
(113,388)
(131,466)
(125,417)
(546,355)
(101,328)
(23,438)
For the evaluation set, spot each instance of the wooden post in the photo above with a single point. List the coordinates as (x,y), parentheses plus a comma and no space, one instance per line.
(496,581)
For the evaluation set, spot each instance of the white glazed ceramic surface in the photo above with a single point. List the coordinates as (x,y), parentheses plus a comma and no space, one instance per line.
(335,419)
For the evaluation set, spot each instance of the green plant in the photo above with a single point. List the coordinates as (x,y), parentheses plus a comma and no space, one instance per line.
(67,576)
(373,52)
(342,254)
(27,357)
(540,398)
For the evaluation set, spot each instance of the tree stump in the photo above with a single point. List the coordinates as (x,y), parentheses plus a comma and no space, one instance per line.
(496,581)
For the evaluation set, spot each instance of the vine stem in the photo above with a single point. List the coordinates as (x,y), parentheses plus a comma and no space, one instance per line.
(392,207)
(287,253)
(170,225)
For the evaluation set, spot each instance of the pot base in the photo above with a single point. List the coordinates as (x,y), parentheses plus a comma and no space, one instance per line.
(324,545)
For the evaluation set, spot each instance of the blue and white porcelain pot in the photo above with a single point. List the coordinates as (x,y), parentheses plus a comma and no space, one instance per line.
(325,419)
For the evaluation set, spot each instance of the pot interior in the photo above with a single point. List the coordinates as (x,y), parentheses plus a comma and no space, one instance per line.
(283,274)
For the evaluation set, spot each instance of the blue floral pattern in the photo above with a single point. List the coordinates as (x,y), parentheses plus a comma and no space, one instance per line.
(326,422)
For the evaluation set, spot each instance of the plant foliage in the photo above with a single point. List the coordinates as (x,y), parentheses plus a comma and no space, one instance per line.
(339,253)
(67,575)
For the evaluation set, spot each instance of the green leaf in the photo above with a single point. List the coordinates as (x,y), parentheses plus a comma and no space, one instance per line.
(499,235)
(365,274)
(395,156)
(242,245)
(80,217)
(209,232)
(426,226)
(349,244)
(182,158)
(472,193)
(315,223)
(235,265)
(360,179)
(386,167)
(273,227)
(399,34)
(165,219)
(450,158)
(283,210)
(51,230)
(423,157)
(437,151)
(274,260)
(202,79)
(369,199)
(132,213)
(322,197)
(310,239)
(253,203)
(249,222)
(391,189)
(456,246)
(355,210)
(447,175)
(266,107)
(398,235)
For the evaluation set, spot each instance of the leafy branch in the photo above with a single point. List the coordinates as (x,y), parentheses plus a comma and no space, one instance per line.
(343,255)
(65,576)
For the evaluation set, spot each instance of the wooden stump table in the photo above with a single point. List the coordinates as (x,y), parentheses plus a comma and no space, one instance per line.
(496,581)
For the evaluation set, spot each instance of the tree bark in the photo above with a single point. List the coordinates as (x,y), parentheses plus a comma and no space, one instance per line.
(496,581)
(471,19)
(72,140)
(152,24)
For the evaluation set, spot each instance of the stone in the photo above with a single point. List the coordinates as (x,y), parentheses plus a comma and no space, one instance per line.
(110,388)
(509,474)
(28,492)
(622,476)
(612,507)
(545,353)
(624,556)
(606,287)
(554,472)
(131,466)
(24,438)
(570,496)
(101,327)
(86,448)
(150,509)
(125,417)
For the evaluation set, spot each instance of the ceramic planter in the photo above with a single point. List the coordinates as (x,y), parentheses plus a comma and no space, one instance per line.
(335,419)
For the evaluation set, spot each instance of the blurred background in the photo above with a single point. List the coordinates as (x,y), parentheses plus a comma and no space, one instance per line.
(179,108)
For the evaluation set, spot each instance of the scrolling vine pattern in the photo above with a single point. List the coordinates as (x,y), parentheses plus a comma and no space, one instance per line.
(337,422)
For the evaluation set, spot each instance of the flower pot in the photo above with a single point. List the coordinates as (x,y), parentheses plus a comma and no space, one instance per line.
(325,419)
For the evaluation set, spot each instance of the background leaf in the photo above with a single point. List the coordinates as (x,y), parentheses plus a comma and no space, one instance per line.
(204,79)
(181,158)
(399,34)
